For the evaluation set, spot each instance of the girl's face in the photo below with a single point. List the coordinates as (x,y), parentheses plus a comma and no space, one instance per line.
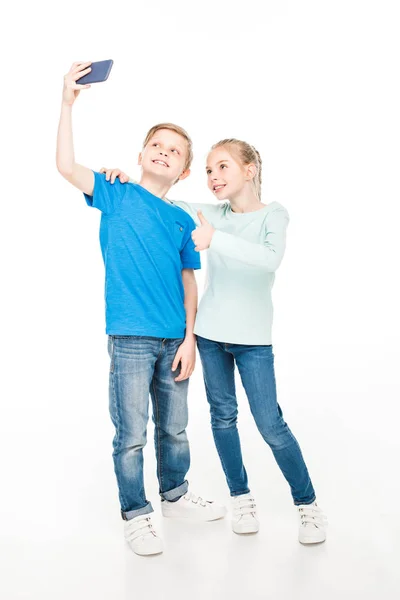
(226,177)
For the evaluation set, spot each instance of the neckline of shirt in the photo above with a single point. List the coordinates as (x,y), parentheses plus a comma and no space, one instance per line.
(163,200)
(252,212)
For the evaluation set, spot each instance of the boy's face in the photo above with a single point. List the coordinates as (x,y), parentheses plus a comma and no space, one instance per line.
(164,156)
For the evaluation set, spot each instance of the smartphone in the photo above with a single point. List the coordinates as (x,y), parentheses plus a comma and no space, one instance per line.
(100,72)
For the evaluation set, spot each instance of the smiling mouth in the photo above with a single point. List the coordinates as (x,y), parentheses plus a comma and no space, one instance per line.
(216,188)
(160,162)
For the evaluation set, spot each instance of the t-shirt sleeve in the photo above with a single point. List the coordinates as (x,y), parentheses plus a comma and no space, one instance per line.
(189,257)
(106,196)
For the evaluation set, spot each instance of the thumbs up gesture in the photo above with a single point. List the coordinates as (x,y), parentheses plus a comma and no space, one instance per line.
(202,235)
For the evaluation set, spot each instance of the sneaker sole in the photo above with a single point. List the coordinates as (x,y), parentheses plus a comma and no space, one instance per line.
(313,540)
(147,553)
(247,532)
(144,552)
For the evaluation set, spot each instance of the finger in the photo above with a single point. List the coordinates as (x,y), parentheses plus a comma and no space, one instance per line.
(78,86)
(75,66)
(103,170)
(197,249)
(80,65)
(190,368)
(77,71)
(186,374)
(181,378)
(184,369)
(183,366)
(176,362)
(114,174)
(182,375)
(202,220)
(80,74)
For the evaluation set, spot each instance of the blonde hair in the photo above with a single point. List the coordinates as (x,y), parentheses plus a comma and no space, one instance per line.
(247,155)
(180,131)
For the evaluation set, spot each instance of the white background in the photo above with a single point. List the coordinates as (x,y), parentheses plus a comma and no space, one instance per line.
(314,85)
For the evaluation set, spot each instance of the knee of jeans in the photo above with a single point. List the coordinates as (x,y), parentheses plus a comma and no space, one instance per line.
(174,430)
(223,420)
(277,435)
(128,442)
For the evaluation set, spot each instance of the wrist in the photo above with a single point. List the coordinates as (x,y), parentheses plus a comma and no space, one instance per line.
(190,337)
(65,106)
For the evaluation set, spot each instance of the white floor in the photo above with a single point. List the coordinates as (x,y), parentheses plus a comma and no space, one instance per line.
(62,536)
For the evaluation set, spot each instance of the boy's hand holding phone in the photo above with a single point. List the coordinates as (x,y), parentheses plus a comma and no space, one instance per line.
(81,74)
(71,88)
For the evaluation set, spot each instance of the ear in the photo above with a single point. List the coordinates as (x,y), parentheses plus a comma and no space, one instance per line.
(251,171)
(139,159)
(185,174)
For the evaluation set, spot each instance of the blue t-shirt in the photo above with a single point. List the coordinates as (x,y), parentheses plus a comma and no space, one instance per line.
(145,243)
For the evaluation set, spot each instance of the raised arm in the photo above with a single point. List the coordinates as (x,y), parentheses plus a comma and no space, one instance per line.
(81,177)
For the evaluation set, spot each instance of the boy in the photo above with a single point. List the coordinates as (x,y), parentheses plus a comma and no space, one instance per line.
(151,303)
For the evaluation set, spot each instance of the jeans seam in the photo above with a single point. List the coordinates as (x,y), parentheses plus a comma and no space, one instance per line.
(112,355)
(117,431)
(159,466)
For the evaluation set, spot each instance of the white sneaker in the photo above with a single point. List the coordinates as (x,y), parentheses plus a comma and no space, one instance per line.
(244,517)
(312,524)
(193,507)
(141,537)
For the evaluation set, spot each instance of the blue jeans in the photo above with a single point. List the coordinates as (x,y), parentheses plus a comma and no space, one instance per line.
(141,366)
(256,369)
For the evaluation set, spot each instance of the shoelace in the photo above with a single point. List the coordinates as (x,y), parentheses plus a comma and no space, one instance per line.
(190,497)
(139,528)
(312,515)
(244,506)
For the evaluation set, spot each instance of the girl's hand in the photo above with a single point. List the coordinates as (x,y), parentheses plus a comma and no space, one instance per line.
(202,235)
(71,88)
(114,173)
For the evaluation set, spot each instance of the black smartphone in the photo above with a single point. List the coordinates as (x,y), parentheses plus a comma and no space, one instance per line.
(100,72)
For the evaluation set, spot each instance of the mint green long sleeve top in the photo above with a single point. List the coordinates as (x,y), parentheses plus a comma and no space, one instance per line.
(245,251)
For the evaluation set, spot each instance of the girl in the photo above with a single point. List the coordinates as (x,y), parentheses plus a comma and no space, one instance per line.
(246,241)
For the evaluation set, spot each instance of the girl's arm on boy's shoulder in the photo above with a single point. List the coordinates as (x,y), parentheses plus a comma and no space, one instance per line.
(267,255)
(81,177)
